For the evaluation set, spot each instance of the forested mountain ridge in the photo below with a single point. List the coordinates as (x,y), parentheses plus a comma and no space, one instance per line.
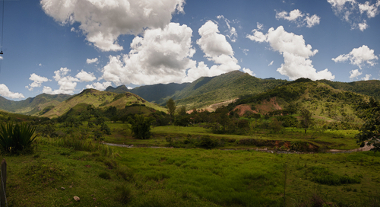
(33,105)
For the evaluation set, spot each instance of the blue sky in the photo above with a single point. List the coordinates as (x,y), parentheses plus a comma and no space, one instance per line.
(65,46)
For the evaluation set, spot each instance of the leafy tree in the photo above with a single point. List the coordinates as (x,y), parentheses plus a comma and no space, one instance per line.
(306,119)
(104,128)
(140,126)
(171,106)
(275,125)
(370,131)
(182,111)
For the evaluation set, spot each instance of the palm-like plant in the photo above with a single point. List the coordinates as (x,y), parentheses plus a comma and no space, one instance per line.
(16,137)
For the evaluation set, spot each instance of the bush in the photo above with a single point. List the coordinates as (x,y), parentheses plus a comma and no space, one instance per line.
(15,138)
(105,175)
(141,127)
(208,142)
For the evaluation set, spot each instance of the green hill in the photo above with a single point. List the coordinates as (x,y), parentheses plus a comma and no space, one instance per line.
(31,106)
(158,93)
(325,102)
(369,88)
(101,99)
(207,90)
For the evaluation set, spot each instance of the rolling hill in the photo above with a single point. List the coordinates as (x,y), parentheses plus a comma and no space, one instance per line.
(207,90)
(101,99)
(31,106)
(325,102)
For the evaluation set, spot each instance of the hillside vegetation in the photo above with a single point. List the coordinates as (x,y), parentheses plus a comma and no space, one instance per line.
(209,90)
(100,99)
(31,106)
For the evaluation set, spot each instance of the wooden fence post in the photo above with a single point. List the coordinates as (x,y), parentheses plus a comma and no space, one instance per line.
(3,183)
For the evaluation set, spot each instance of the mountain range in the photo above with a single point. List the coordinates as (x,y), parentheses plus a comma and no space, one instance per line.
(201,93)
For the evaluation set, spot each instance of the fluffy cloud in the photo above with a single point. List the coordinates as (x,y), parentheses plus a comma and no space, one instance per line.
(247,70)
(216,49)
(257,35)
(355,73)
(352,12)
(103,21)
(4,91)
(359,56)
(66,83)
(296,54)
(367,77)
(99,86)
(297,17)
(164,56)
(85,77)
(37,81)
(94,60)
(159,56)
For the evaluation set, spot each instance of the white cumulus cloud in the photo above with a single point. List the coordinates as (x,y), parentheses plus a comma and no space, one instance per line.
(85,77)
(103,21)
(99,86)
(299,18)
(164,56)
(367,77)
(247,70)
(66,83)
(37,81)
(4,91)
(296,54)
(354,12)
(159,56)
(93,60)
(359,56)
(355,73)
(216,49)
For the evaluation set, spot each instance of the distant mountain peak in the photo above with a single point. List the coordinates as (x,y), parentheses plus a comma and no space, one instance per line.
(119,89)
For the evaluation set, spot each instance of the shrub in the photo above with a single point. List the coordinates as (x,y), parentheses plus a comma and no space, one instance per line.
(208,142)
(105,175)
(15,138)
(141,127)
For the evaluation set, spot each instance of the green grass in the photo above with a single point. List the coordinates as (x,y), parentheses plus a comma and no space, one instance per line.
(185,177)
(329,139)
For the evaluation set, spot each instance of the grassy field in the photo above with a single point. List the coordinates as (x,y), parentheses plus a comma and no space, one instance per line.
(329,139)
(189,177)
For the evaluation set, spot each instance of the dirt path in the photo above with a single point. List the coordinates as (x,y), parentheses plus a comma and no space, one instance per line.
(333,151)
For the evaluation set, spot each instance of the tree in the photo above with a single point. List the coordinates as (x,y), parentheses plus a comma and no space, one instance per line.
(182,111)
(370,131)
(171,106)
(306,120)
(140,126)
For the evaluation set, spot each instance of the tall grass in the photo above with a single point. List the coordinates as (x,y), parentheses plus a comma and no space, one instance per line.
(15,138)
(84,145)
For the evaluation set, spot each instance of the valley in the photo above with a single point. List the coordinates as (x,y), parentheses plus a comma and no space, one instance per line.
(230,140)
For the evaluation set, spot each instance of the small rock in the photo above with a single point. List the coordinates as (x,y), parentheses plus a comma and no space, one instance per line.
(76,198)
(70,186)
(63,188)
